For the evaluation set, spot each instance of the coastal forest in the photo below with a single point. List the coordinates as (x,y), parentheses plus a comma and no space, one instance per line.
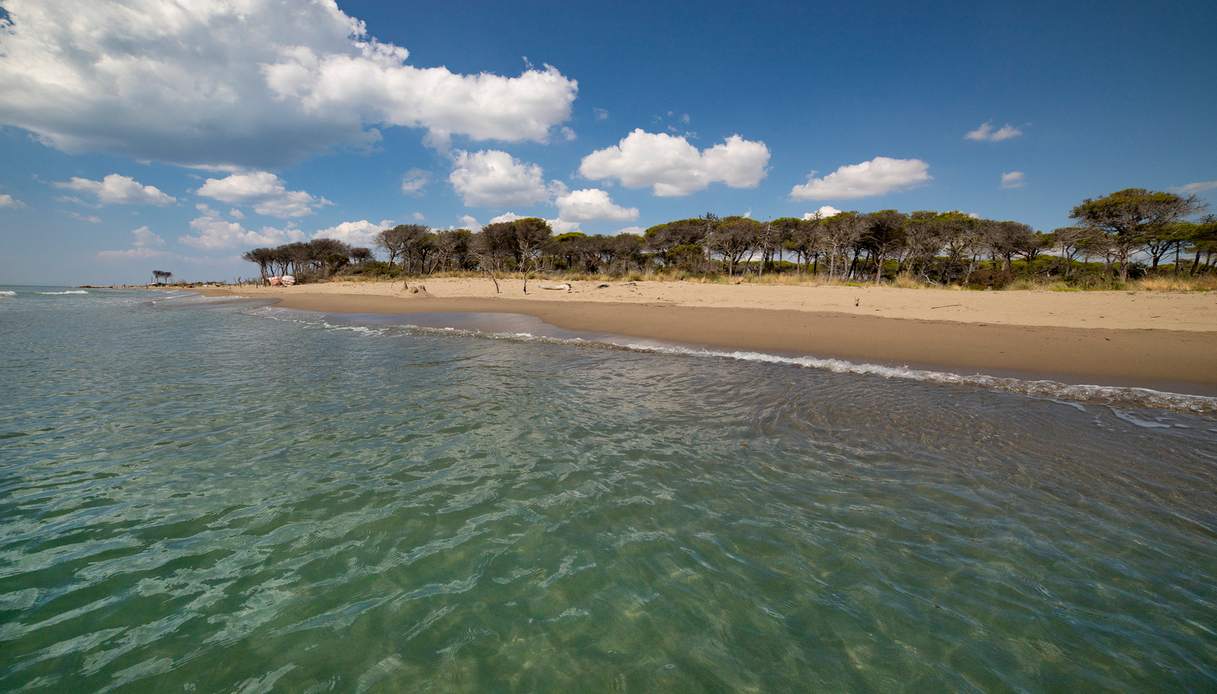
(1132,234)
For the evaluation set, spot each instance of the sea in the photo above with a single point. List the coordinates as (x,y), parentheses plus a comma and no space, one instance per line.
(210,495)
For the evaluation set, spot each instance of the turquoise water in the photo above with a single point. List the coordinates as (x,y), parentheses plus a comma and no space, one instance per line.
(208,496)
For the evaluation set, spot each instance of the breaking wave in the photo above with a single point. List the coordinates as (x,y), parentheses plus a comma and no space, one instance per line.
(69,291)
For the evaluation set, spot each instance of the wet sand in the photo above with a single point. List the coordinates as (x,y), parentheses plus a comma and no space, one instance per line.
(1180,359)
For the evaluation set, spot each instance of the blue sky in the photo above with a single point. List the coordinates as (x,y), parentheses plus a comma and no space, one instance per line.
(177,140)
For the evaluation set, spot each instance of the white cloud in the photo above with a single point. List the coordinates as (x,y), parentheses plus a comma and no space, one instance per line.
(1190,188)
(601,114)
(505,217)
(824,212)
(360,233)
(673,167)
(878,176)
(265,191)
(212,232)
(986,133)
(250,83)
(592,203)
(559,226)
(562,226)
(7,200)
(470,222)
(90,218)
(118,190)
(414,180)
(492,177)
(1013,179)
(236,214)
(629,230)
(144,244)
(568,134)
(418,216)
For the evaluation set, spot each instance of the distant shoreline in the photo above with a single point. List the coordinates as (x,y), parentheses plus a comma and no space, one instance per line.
(1159,340)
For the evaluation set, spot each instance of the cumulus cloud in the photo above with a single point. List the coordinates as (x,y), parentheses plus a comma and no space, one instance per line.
(558,225)
(1013,179)
(1189,189)
(824,212)
(144,244)
(360,233)
(629,230)
(118,190)
(212,232)
(505,217)
(878,176)
(588,204)
(9,201)
(236,214)
(492,177)
(470,222)
(986,133)
(253,84)
(673,167)
(265,191)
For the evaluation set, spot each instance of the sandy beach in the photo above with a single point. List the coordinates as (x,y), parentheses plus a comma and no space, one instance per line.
(1159,340)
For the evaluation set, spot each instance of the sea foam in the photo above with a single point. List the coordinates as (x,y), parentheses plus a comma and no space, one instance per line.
(69,291)
(1044,389)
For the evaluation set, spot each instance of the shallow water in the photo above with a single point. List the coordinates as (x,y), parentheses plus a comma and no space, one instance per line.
(214,496)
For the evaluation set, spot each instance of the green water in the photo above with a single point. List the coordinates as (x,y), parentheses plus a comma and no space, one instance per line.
(201,496)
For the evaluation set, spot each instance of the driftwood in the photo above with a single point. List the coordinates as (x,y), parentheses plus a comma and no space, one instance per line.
(563,286)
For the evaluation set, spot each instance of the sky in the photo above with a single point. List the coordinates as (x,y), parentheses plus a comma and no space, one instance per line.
(147,134)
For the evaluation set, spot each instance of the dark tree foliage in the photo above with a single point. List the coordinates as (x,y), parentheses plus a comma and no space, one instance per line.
(1128,231)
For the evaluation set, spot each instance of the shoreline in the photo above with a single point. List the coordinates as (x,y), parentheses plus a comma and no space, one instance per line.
(1180,361)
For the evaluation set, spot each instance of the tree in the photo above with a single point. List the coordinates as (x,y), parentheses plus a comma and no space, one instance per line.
(1130,216)
(1203,239)
(732,238)
(161,276)
(799,236)
(680,243)
(1007,239)
(262,257)
(328,255)
(452,249)
(841,232)
(531,233)
(1070,242)
(884,236)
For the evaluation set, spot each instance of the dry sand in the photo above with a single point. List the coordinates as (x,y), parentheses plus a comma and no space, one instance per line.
(1160,340)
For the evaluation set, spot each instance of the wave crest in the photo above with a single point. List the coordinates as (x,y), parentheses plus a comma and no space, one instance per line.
(1046,389)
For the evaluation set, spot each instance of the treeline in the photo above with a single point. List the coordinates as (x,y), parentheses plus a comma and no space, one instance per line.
(316,259)
(1125,234)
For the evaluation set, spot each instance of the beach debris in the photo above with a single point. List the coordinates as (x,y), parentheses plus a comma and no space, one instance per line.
(602,285)
(274,281)
(945,306)
(419,289)
(857,302)
(287,280)
(558,287)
